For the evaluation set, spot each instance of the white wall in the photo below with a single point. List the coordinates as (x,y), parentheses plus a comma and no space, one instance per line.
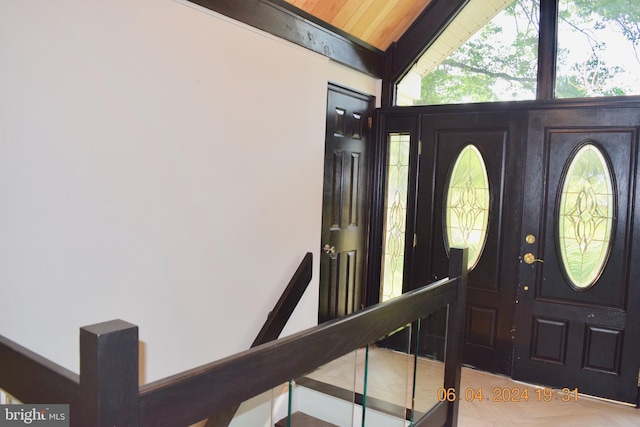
(160,164)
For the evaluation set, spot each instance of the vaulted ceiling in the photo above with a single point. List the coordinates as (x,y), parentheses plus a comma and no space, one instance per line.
(376,22)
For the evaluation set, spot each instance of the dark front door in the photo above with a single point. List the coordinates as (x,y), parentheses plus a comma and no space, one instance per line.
(578,297)
(345,202)
(469,183)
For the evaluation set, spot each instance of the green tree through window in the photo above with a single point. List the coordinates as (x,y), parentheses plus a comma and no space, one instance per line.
(497,63)
(598,46)
(598,55)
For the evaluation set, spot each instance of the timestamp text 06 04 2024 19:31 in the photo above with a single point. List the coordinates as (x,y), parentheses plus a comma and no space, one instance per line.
(509,394)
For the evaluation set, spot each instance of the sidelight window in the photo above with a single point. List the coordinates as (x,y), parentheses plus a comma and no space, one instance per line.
(467,204)
(395,217)
(585,217)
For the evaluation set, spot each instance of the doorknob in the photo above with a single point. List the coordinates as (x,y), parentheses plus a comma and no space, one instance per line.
(530,258)
(328,249)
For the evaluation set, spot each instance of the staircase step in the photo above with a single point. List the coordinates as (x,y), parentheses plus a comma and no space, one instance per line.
(300,419)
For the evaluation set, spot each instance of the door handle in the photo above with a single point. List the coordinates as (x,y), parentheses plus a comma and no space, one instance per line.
(530,258)
(328,249)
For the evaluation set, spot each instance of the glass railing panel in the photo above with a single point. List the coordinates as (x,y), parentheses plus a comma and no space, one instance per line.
(328,393)
(429,373)
(255,412)
(389,381)
(281,404)
(433,335)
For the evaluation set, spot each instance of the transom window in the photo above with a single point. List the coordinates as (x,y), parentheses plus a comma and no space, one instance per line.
(598,48)
(489,52)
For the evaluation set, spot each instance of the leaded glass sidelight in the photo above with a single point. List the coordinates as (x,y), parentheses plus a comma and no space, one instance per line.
(585,217)
(395,215)
(467,204)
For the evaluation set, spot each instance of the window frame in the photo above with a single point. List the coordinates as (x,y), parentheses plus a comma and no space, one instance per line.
(409,48)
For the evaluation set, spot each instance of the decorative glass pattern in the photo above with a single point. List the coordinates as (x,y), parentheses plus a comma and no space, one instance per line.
(467,204)
(585,219)
(395,215)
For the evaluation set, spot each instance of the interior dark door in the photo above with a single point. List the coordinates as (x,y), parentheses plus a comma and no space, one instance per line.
(571,333)
(488,340)
(345,207)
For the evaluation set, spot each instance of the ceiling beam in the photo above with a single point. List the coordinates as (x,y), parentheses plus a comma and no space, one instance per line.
(280,20)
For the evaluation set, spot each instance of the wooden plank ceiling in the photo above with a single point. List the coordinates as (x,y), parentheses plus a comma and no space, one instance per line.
(376,22)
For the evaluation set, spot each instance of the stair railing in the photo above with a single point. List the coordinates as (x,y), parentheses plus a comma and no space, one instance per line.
(106,392)
(275,323)
(282,311)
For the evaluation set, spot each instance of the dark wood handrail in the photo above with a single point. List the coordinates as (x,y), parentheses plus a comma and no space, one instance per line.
(282,311)
(107,392)
(31,377)
(211,388)
(275,323)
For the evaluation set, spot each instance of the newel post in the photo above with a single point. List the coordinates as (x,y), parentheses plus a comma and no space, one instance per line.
(456,323)
(108,376)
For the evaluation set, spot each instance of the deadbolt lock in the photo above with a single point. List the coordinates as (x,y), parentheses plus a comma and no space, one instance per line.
(530,239)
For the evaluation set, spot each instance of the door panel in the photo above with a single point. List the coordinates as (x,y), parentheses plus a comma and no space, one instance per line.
(346,192)
(570,337)
(488,342)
